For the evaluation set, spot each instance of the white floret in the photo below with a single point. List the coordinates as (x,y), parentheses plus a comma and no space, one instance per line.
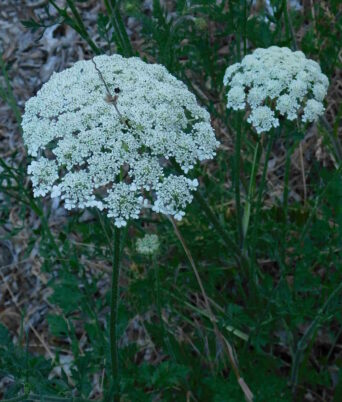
(44,173)
(236,98)
(319,91)
(147,173)
(298,89)
(263,119)
(77,191)
(173,194)
(229,72)
(312,111)
(123,204)
(256,96)
(288,106)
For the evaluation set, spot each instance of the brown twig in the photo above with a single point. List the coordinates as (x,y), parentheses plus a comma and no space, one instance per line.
(111,99)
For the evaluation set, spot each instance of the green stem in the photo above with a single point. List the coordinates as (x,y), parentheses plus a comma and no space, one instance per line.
(288,26)
(286,180)
(261,192)
(157,289)
(80,27)
(128,46)
(117,38)
(123,40)
(237,166)
(251,188)
(244,27)
(113,336)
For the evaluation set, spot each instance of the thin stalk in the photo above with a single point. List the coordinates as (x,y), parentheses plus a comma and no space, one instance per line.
(157,290)
(286,199)
(81,27)
(113,336)
(286,192)
(112,7)
(128,46)
(244,27)
(250,195)
(261,191)
(118,39)
(288,26)
(302,168)
(237,166)
(286,183)
(238,39)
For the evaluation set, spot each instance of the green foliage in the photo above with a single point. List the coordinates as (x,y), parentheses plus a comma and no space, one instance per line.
(264,309)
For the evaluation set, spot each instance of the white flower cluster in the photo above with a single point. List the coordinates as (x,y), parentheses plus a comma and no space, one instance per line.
(101,134)
(148,245)
(276,81)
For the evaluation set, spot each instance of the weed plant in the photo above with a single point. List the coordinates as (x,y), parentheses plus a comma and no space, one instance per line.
(230,314)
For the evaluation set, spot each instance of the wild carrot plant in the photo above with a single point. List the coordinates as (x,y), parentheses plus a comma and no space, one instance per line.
(197,148)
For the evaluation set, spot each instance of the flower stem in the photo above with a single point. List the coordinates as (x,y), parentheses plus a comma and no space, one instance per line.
(261,192)
(157,290)
(113,336)
(237,168)
(286,183)
(80,27)
(250,195)
(289,151)
(122,39)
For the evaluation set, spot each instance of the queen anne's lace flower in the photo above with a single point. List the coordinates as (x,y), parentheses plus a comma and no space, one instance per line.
(102,132)
(276,81)
(148,245)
